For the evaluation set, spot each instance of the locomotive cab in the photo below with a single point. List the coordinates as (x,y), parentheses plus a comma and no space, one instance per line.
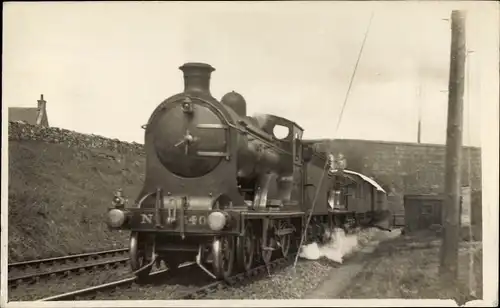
(273,187)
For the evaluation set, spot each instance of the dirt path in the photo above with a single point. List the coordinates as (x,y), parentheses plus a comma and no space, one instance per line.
(404,267)
(342,276)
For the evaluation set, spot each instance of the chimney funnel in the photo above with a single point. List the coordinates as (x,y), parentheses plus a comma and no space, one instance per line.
(197,77)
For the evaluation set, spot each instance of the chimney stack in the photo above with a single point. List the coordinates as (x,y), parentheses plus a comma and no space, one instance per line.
(41,103)
(197,77)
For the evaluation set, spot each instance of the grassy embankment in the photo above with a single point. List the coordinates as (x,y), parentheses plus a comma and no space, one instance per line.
(58,198)
(408,267)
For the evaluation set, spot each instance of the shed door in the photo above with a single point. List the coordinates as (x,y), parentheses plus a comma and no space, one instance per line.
(427,215)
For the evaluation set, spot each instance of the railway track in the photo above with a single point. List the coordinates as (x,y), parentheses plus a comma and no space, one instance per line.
(238,279)
(111,286)
(173,287)
(92,292)
(29,272)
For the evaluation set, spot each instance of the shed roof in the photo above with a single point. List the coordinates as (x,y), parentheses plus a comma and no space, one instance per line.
(25,114)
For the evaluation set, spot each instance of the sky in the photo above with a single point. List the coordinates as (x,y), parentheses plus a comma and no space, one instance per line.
(103,67)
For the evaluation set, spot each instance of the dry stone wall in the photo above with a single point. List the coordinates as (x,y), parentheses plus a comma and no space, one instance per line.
(19,131)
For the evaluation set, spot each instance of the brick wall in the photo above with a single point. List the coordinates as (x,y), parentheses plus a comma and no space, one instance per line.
(404,168)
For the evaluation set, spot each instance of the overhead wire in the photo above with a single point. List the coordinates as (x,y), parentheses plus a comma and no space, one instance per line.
(353,74)
(325,167)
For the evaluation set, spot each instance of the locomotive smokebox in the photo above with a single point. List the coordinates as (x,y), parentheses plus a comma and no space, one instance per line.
(197,77)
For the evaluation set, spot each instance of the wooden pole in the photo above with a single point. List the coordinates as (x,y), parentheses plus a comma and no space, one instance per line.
(419,133)
(419,127)
(451,208)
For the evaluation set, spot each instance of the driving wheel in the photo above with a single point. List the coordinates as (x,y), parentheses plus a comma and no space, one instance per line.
(285,240)
(223,250)
(138,255)
(246,248)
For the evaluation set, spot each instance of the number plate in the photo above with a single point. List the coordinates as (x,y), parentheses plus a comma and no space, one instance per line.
(195,220)
(147,219)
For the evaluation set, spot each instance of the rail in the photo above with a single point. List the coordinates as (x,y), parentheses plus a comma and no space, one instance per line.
(76,295)
(32,271)
(237,279)
(76,257)
(240,278)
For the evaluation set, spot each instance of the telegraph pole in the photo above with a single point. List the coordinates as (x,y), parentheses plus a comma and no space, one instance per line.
(419,127)
(420,101)
(451,208)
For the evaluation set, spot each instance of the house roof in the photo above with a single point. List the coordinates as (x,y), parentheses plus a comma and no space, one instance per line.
(28,115)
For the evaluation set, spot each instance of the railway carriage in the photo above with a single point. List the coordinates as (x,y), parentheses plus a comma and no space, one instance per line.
(225,189)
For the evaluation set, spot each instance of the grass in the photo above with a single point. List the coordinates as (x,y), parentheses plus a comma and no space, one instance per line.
(408,267)
(58,197)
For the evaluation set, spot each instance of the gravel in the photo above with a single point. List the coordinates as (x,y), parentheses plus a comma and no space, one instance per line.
(283,284)
(293,283)
(288,283)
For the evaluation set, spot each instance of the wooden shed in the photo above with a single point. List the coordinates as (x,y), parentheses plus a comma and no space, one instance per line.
(423,211)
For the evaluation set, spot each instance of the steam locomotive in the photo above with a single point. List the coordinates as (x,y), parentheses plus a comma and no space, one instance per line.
(223,190)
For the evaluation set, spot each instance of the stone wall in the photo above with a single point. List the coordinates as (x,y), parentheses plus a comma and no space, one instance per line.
(404,168)
(477,214)
(19,131)
(401,168)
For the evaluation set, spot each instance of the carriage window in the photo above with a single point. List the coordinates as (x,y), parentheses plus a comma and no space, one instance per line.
(335,198)
(280,131)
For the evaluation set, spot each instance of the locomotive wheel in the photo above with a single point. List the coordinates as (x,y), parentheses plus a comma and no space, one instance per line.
(258,249)
(246,248)
(223,249)
(285,240)
(138,257)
